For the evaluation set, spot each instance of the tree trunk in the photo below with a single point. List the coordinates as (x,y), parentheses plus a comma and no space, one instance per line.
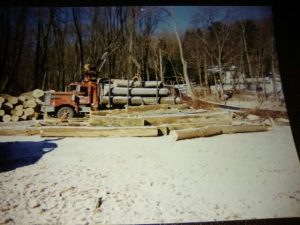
(183,61)
(273,70)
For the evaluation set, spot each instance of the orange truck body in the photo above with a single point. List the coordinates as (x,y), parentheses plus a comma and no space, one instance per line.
(83,98)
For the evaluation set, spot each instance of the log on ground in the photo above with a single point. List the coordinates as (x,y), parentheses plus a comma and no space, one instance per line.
(244,128)
(215,130)
(48,121)
(111,121)
(6,118)
(180,126)
(186,118)
(131,109)
(195,132)
(100,132)
(22,132)
(148,113)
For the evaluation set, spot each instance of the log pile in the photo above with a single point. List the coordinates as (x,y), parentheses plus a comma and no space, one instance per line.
(178,121)
(137,93)
(24,107)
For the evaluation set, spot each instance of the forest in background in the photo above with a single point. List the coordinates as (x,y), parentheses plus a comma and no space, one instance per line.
(47,47)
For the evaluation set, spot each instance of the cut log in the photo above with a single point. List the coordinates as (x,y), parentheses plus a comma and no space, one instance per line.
(22,98)
(149,92)
(136,100)
(16,112)
(29,112)
(106,90)
(70,122)
(150,112)
(122,91)
(116,100)
(6,118)
(100,132)
(122,100)
(13,100)
(31,103)
(152,84)
(168,100)
(244,129)
(2,112)
(178,100)
(7,106)
(150,100)
(112,121)
(180,126)
(14,118)
(192,118)
(25,132)
(19,107)
(215,130)
(131,109)
(195,132)
(37,93)
(122,83)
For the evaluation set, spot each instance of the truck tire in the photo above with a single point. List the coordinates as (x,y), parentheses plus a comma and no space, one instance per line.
(65,108)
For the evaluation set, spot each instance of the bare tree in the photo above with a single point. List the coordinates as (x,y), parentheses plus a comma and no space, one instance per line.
(12,42)
(183,61)
(79,43)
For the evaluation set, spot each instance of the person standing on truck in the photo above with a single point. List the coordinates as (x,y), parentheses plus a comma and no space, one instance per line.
(90,73)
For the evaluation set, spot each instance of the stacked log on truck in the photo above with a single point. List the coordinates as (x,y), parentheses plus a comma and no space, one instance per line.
(23,107)
(137,93)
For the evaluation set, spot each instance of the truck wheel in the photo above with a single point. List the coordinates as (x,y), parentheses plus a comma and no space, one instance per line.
(61,111)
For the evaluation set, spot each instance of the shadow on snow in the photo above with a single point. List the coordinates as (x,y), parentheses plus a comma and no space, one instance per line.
(23,153)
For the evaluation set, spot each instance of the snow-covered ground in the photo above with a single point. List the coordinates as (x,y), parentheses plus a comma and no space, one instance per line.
(148,180)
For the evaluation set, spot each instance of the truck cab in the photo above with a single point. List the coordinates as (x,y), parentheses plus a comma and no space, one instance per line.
(80,98)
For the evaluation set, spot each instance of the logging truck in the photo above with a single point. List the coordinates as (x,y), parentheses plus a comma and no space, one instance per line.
(94,94)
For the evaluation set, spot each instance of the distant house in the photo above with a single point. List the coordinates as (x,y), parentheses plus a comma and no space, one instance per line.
(231,81)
